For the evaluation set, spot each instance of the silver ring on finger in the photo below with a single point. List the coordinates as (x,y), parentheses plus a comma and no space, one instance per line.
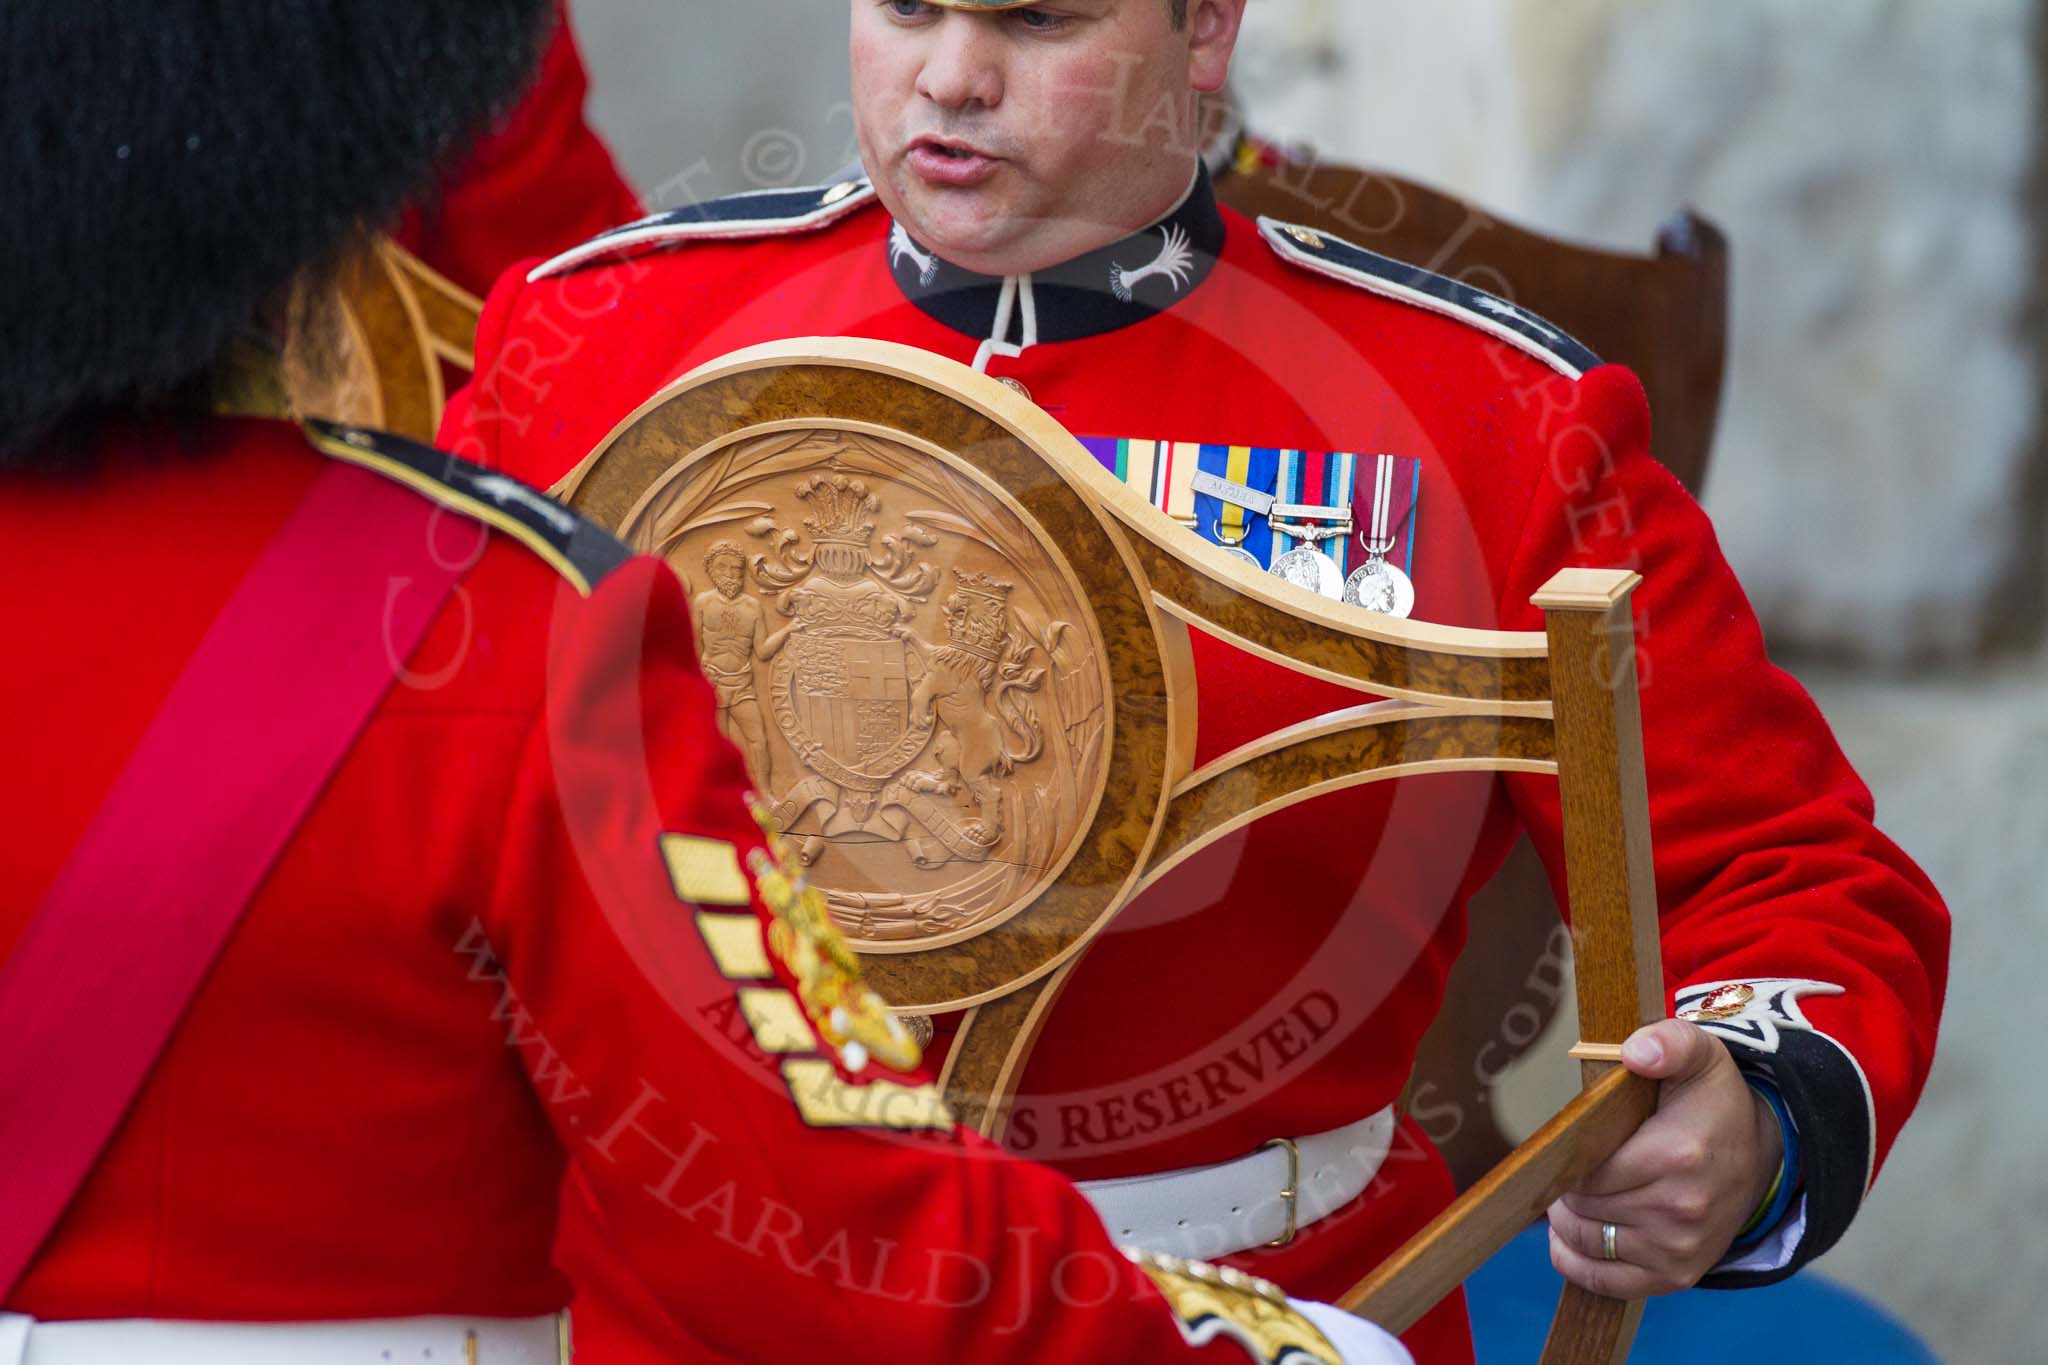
(1608,1232)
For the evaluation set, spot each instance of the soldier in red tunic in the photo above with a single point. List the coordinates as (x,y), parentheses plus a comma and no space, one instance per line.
(1033,205)
(371,852)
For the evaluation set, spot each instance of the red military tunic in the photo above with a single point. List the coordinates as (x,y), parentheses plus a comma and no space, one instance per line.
(512,933)
(1277,986)
(539,182)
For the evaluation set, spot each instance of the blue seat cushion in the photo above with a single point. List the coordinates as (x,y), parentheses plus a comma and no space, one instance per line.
(1806,1317)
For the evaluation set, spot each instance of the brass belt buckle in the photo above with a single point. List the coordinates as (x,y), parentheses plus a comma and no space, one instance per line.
(1291,1192)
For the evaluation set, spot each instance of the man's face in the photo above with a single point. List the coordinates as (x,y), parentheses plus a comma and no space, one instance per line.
(1011,141)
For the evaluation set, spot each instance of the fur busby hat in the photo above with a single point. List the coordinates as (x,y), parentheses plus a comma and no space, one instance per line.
(172,165)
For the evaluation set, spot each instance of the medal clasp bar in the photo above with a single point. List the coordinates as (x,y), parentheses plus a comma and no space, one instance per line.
(1309,511)
(1237,494)
(1303,531)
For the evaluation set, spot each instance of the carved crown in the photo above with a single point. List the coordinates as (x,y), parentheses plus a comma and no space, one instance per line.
(842,509)
(983,585)
(978,614)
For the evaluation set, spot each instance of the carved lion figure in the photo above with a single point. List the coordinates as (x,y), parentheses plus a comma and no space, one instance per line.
(974,688)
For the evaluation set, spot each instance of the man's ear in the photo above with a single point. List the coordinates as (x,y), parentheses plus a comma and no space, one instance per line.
(1213,26)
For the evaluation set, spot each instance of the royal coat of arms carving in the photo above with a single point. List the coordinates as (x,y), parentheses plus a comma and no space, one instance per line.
(919,695)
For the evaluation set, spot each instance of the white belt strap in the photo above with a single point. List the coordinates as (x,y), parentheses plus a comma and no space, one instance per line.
(391,1341)
(14,1338)
(1210,1211)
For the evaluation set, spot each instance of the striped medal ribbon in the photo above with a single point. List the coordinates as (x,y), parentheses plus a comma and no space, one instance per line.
(1162,472)
(1303,528)
(1379,584)
(1233,500)
(1312,523)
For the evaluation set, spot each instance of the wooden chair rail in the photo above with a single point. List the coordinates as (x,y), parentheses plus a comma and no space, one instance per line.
(1486,1217)
(1200,585)
(1350,748)
(1491,717)
(446,313)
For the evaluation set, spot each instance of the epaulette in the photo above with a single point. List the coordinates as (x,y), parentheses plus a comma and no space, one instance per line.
(1316,250)
(579,549)
(736,217)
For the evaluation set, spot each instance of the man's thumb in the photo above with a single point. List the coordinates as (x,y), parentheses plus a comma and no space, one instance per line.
(1669,1050)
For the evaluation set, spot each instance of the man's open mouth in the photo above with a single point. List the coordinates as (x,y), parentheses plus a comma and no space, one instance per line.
(956,151)
(949,164)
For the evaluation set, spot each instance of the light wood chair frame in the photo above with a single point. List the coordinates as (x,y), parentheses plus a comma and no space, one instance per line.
(400,322)
(1563,702)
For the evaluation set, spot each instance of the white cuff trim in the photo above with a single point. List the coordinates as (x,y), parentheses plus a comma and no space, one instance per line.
(1358,1341)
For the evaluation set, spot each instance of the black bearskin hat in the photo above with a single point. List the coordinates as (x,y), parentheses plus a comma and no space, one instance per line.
(169,166)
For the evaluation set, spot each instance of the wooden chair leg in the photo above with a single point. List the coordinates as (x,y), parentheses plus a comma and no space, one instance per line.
(1590,1329)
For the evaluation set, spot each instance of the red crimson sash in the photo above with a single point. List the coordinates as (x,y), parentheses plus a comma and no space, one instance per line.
(285,679)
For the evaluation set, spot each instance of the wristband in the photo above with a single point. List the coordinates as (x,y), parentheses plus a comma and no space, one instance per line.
(1778,1200)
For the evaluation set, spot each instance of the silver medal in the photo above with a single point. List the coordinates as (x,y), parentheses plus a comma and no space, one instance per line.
(1234,548)
(1378,585)
(1307,567)
(1239,552)
(1381,587)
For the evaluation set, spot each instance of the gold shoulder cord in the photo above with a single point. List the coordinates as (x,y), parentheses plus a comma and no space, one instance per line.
(1212,1301)
(848,1015)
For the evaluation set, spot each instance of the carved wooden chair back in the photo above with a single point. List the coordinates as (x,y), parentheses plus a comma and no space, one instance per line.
(981,741)
(400,333)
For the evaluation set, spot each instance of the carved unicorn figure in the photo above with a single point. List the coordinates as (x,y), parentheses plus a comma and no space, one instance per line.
(1176,262)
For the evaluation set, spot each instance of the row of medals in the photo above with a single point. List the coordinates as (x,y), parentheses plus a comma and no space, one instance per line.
(1377,585)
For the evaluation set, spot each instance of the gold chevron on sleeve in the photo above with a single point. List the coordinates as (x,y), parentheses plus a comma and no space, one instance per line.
(706,871)
(736,946)
(777,1021)
(826,1101)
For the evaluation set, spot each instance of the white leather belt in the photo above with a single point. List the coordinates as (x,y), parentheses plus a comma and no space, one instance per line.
(390,1341)
(1258,1200)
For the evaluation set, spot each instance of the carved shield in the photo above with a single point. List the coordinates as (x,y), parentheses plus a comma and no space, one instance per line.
(847,703)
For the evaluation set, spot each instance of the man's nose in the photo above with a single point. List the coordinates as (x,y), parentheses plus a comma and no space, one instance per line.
(963,66)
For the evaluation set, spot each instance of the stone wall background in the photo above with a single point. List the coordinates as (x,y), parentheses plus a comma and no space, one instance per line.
(1879,478)
(699,98)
